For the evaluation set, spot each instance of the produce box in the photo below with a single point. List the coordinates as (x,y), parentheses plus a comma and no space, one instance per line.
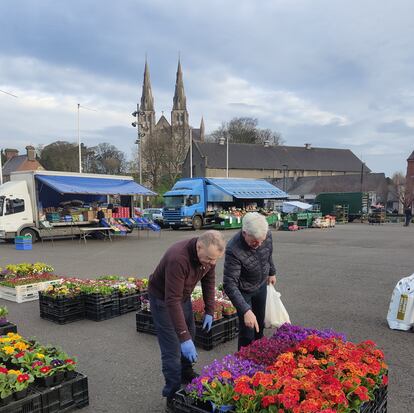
(89,215)
(24,293)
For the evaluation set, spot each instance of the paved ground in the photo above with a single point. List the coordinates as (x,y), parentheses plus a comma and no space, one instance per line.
(340,278)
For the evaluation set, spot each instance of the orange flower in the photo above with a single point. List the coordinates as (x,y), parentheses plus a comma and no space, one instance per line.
(225,374)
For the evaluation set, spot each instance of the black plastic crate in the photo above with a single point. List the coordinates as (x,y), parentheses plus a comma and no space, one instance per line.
(99,308)
(61,306)
(232,327)
(221,331)
(65,319)
(61,310)
(379,404)
(30,404)
(186,404)
(145,323)
(66,396)
(128,303)
(8,328)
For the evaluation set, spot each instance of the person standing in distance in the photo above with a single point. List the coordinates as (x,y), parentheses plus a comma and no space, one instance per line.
(170,286)
(248,269)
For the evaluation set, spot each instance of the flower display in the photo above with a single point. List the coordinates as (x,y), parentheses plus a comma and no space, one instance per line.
(297,370)
(12,381)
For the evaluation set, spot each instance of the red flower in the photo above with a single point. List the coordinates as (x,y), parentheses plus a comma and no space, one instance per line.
(18,355)
(362,393)
(70,361)
(22,377)
(3,370)
(384,380)
(45,369)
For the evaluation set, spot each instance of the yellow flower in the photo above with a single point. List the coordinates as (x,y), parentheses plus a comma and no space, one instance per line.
(8,349)
(14,336)
(21,346)
(5,340)
(40,356)
(16,372)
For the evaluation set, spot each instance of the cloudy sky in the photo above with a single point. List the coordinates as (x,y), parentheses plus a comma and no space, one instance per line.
(332,73)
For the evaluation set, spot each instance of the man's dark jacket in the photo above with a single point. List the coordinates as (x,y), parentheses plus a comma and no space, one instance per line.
(246,269)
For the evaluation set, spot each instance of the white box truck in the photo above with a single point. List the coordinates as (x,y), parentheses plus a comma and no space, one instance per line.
(25,197)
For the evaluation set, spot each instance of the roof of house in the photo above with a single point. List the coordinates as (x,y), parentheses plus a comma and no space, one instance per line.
(19,163)
(249,156)
(411,157)
(375,182)
(13,164)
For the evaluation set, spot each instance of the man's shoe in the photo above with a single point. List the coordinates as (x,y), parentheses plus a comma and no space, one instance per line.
(169,407)
(188,375)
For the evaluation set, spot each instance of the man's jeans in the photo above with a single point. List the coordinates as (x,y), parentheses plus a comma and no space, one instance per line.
(257,302)
(172,361)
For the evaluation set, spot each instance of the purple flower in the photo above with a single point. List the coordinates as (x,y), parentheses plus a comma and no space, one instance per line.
(295,334)
(235,366)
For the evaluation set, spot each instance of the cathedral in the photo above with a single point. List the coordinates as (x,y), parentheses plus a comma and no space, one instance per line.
(178,128)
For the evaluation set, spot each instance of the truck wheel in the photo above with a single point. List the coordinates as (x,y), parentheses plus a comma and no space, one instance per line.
(27,232)
(197,222)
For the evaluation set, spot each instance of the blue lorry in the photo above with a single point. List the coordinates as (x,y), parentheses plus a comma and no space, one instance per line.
(196,202)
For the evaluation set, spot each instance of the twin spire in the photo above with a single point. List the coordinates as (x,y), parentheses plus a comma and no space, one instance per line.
(147,100)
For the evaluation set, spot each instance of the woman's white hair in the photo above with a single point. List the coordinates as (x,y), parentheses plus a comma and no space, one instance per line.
(255,225)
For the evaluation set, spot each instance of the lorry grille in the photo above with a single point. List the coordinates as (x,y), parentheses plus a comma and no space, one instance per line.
(171,216)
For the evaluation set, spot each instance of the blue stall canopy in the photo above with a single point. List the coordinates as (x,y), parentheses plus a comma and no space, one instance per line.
(248,188)
(93,186)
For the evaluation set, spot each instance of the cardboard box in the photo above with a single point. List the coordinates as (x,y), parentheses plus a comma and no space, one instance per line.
(89,215)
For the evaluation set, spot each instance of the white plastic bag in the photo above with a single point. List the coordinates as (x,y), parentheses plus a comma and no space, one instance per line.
(275,314)
(401,311)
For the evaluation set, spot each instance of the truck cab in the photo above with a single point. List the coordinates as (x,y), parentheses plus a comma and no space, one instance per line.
(185,204)
(16,211)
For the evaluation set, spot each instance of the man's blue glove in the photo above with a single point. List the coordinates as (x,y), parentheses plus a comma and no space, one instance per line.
(189,351)
(208,321)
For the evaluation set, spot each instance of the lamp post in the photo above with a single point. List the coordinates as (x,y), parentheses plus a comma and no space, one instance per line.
(140,135)
(285,167)
(79,142)
(1,163)
(227,154)
(191,152)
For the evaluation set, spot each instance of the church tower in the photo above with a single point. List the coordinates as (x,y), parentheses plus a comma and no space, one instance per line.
(147,115)
(179,114)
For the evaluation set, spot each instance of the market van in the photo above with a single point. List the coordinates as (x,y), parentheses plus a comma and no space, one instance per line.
(196,202)
(30,201)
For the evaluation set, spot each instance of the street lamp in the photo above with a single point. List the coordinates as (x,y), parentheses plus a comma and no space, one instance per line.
(140,135)
(1,163)
(79,142)
(285,167)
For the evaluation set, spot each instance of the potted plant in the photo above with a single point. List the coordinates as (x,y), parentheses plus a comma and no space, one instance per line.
(228,309)
(3,315)
(198,309)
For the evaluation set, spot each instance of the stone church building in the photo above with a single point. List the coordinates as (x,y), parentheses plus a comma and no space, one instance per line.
(175,132)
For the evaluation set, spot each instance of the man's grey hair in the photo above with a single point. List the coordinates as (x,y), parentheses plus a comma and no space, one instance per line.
(213,237)
(255,225)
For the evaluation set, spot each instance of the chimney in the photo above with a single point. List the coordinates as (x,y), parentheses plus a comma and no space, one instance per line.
(10,153)
(222,140)
(31,153)
(308,145)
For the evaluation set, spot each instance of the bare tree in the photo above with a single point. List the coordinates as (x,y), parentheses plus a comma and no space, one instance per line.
(245,130)
(399,190)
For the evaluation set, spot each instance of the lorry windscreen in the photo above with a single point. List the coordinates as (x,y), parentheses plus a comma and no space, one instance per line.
(174,201)
(1,205)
